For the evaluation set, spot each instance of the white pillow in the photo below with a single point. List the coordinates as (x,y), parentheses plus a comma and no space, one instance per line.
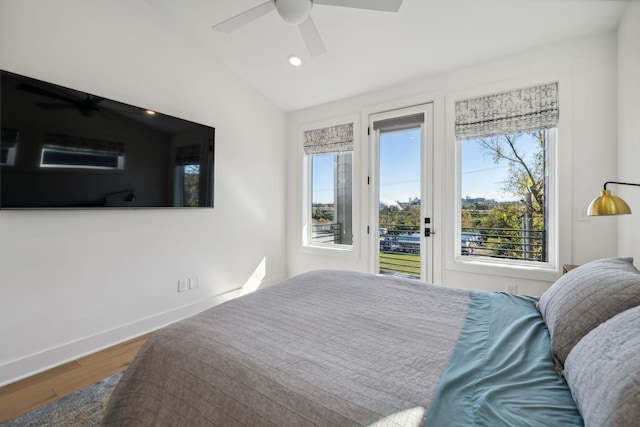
(585,297)
(603,372)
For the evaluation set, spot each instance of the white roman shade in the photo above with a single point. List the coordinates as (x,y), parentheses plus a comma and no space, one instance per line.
(332,139)
(188,154)
(516,111)
(396,124)
(78,143)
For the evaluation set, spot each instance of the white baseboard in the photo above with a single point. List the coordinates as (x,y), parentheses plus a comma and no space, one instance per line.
(16,370)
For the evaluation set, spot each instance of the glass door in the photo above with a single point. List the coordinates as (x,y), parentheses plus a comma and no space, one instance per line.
(401,209)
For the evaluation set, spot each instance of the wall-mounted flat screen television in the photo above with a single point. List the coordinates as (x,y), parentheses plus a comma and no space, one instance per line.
(62,148)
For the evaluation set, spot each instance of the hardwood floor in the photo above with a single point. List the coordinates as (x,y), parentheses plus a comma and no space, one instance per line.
(31,393)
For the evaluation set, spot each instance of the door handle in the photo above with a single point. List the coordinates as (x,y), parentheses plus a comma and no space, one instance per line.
(427,230)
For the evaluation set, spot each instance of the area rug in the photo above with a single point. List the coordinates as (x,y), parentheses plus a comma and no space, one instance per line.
(82,408)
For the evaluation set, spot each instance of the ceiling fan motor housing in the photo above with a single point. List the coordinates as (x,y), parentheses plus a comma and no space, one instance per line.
(293,11)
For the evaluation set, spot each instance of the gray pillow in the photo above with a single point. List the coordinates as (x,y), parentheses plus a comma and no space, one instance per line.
(603,372)
(585,297)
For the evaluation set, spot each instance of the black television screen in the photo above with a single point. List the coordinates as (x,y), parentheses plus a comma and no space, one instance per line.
(62,148)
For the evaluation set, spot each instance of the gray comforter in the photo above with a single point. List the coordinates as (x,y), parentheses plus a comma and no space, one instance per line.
(325,348)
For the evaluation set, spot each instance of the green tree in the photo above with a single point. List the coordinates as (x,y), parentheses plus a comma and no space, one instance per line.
(389,216)
(322,214)
(467,219)
(410,215)
(191,186)
(406,218)
(526,173)
(525,180)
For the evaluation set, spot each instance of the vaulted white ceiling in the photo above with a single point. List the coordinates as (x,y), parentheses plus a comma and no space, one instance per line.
(368,50)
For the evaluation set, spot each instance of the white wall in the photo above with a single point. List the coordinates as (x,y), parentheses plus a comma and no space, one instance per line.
(73,281)
(586,70)
(629,130)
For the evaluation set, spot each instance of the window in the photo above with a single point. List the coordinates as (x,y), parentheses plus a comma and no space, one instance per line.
(329,153)
(63,151)
(504,197)
(506,143)
(8,142)
(62,157)
(7,156)
(190,175)
(188,178)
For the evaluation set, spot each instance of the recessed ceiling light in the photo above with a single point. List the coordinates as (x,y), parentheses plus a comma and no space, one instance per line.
(150,112)
(295,61)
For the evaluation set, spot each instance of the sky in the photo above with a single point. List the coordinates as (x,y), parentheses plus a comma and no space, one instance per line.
(322,184)
(400,171)
(481,177)
(400,165)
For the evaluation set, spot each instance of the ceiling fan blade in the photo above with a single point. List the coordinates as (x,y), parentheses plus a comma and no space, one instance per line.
(381,5)
(92,100)
(311,37)
(245,17)
(44,92)
(54,106)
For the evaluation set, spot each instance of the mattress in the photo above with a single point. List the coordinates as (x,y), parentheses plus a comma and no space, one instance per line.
(339,348)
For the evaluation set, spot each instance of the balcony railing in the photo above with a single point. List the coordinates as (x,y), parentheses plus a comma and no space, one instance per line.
(400,250)
(506,243)
(400,246)
(328,232)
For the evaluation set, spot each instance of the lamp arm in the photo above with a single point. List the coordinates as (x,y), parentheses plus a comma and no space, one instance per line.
(620,183)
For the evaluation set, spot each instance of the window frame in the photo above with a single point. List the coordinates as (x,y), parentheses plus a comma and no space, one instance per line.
(117,157)
(559,167)
(550,213)
(180,185)
(309,241)
(10,158)
(306,245)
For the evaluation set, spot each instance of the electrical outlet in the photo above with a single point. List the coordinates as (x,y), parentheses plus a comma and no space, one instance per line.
(511,288)
(182,285)
(581,213)
(194,282)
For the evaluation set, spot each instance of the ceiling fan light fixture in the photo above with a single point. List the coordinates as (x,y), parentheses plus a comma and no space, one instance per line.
(295,61)
(293,11)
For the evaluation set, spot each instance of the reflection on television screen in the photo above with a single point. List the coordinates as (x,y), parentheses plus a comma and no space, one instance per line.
(61,148)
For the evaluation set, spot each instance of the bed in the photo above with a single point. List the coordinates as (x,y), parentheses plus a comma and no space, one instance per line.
(340,348)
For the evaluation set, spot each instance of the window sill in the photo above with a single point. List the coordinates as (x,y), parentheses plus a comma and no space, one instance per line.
(523,270)
(338,250)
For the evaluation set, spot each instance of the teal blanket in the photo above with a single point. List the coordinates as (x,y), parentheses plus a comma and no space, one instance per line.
(501,372)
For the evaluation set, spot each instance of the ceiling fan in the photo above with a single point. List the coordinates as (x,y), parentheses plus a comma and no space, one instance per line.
(87,106)
(297,12)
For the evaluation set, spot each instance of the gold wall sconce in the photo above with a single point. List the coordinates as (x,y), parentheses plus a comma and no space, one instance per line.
(608,204)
